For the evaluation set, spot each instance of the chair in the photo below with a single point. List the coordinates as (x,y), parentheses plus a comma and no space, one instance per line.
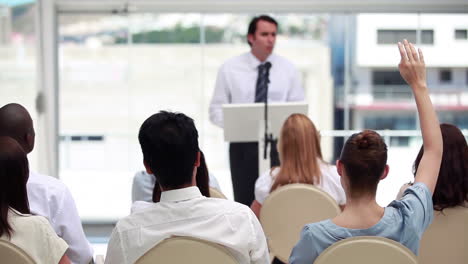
(446,239)
(10,253)
(215,193)
(286,210)
(182,250)
(367,250)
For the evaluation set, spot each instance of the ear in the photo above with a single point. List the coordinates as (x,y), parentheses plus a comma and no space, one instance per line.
(250,37)
(148,169)
(29,139)
(339,167)
(197,160)
(385,172)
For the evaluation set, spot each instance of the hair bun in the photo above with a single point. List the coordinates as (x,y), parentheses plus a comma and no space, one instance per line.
(365,139)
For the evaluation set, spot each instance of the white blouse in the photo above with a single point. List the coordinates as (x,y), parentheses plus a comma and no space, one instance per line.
(35,236)
(330,183)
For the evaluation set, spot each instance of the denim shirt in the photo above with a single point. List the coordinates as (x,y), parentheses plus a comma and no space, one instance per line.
(404,221)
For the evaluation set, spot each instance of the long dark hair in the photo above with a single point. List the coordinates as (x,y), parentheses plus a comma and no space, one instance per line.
(202,181)
(452,185)
(14,173)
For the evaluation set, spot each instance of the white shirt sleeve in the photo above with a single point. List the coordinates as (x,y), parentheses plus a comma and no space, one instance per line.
(331,183)
(52,247)
(221,95)
(296,91)
(115,252)
(263,186)
(68,224)
(259,248)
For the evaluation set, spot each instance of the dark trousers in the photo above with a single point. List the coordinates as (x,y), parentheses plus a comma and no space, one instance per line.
(243,159)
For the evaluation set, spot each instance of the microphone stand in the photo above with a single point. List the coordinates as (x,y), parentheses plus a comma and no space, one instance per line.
(268,137)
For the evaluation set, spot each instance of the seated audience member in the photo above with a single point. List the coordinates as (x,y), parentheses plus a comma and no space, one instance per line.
(144,184)
(169,142)
(452,185)
(202,179)
(301,162)
(33,234)
(363,164)
(47,196)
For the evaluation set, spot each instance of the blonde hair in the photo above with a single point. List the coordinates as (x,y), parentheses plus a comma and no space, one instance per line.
(299,151)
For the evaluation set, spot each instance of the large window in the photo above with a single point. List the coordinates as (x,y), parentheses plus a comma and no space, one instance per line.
(18,58)
(117,69)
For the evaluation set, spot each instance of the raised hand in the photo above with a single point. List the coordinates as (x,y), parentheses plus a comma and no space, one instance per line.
(412,67)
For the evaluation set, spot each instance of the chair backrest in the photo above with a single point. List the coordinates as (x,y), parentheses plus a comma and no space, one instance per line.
(286,210)
(367,250)
(215,193)
(446,239)
(10,253)
(182,250)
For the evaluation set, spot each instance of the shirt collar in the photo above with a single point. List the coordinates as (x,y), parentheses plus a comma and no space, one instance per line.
(254,62)
(179,195)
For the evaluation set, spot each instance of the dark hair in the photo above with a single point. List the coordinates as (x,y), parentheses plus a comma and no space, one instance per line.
(203,180)
(14,174)
(169,142)
(364,157)
(452,185)
(253,24)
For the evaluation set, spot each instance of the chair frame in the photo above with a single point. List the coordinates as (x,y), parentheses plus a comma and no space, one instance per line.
(16,251)
(364,240)
(276,244)
(146,258)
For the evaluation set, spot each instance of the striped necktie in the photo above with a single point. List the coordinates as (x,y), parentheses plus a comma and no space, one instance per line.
(262,82)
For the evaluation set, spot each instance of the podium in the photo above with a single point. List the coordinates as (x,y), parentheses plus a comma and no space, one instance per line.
(246,123)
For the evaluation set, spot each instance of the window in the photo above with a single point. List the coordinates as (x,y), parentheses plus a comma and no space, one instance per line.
(387,78)
(445,76)
(392,36)
(466,77)
(390,122)
(461,34)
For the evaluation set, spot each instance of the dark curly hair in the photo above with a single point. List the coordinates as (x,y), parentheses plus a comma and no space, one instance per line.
(452,185)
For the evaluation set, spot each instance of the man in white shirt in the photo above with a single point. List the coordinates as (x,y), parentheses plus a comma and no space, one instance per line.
(47,196)
(169,142)
(240,80)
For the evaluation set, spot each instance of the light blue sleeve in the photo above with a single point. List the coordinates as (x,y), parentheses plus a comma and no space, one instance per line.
(304,251)
(416,207)
(213,182)
(142,187)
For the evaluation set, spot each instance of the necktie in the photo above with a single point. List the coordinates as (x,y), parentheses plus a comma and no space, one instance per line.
(262,82)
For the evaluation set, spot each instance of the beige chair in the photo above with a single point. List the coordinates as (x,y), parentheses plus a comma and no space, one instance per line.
(10,253)
(286,210)
(183,250)
(367,250)
(215,193)
(446,239)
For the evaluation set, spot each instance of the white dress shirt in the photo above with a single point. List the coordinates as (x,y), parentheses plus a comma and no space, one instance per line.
(143,186)
(50,198)
(329,183)
(237,80)
(185,212)
(35,236)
